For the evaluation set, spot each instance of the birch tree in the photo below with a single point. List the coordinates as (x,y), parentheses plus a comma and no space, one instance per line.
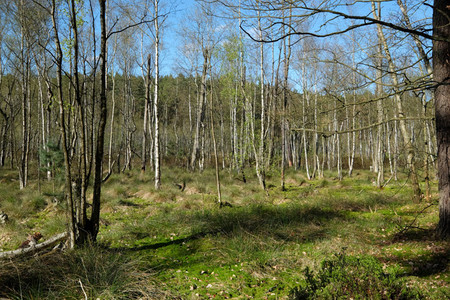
(201,40)
(62,116)
(155,99)
(409,149)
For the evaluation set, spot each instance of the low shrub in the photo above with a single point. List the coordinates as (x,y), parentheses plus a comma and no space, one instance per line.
(351,277)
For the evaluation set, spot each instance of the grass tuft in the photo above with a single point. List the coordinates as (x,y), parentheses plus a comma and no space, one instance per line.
(89,272)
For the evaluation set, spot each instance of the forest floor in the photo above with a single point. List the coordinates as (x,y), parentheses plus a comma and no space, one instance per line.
(174,244)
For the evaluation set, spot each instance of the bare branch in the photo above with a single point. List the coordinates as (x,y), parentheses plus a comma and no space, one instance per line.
(327,134)
(22,251)
(366,20)
(142,21)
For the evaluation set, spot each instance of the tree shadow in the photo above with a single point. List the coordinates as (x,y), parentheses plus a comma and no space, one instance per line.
(281,223)
(438,262)
(423,266)
(435,262)
(415,235)
(128,203)
(154,246)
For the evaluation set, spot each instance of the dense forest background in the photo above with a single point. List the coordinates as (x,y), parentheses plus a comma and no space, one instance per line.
(224,149)
(254,83)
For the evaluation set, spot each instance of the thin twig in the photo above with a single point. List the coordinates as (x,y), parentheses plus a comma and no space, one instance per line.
(411,224)
(387,182)
(82,288)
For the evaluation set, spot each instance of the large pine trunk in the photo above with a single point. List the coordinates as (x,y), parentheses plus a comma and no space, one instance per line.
(441,66)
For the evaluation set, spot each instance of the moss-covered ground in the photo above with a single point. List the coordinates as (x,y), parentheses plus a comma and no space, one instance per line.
(181,244)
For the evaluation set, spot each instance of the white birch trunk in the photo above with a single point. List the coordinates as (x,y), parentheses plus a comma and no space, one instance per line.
(409,150)
(155,102)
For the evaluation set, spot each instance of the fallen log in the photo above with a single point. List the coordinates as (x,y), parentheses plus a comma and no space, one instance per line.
(22,251)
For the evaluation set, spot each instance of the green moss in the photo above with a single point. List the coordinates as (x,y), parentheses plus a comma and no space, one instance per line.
(257,248)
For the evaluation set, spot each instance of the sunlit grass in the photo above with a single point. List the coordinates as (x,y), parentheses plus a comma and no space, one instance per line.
(257,248)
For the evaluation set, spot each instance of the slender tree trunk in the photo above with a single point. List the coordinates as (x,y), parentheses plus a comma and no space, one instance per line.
(146,79)
(339,156)
(304,98)
(42,140)
(241,95)
(422,55)
(190,111)
(81,216)
(222,139)
(409,150)
(213,136)
(202,149)
(389,150)
(287,56)
(200,109)
(48,113)
(396,151)
(113,108)
(316,136)
(352,150)
(244,124)
(4,130)
(25,72)
(378,94)
(324,156)
(429,72)
(4,142)
(12,146)
(67,163)
(93,97)
(99,151)
(259,156)
(236,101)
(426,155)
(234,129)
(155,101)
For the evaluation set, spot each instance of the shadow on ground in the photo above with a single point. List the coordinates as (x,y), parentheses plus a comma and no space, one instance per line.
(288,223)
(434,261)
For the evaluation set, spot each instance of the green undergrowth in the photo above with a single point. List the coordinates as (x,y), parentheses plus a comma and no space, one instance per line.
(178,244)
(351,277)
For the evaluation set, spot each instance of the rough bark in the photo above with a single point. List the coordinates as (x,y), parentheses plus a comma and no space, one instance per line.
(200,109)
(441,67)
(81,216)
(94,222)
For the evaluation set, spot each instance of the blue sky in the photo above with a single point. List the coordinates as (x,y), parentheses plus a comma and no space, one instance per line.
(181,9)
